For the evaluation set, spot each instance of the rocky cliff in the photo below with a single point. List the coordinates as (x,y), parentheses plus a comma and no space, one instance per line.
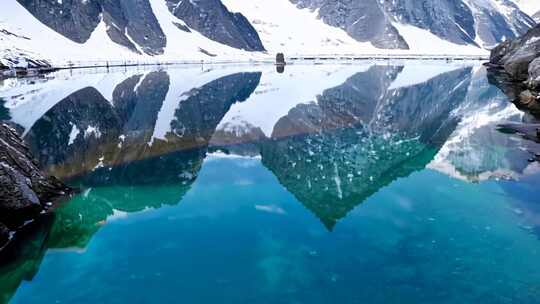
(25,192)
(515,68)
(212,19)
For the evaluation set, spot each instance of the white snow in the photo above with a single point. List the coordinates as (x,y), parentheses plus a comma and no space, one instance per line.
(100,48)
(281,25)
(530,7)
(73,134)
(92,131)
(285,28)
(419,72)
(424,42)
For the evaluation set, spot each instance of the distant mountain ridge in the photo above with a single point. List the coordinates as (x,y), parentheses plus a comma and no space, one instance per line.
(477,22)
(199,29)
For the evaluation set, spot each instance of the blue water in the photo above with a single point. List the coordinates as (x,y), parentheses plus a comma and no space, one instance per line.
(345,214)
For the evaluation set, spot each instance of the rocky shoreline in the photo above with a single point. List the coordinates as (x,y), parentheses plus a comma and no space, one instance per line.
(514,67)
(25,192)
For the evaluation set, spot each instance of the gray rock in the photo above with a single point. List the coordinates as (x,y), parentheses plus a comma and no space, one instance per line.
(213,20)
(534,74)
(362,20)
(516,55)
(280,59)
(458,21)
(450,20)
(136,19)
(74,19)
(24,190)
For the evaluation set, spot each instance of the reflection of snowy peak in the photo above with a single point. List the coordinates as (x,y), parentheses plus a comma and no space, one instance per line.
(348,130)
(476,150)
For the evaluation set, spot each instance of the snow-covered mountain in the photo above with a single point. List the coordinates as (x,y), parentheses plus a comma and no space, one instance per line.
(153,30)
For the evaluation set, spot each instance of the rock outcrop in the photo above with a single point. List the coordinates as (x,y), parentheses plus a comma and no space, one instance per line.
(213,20)
(127,21)
(515,68)
(25,192)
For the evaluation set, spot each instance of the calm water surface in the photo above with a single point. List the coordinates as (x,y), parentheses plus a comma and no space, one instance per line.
(367,183)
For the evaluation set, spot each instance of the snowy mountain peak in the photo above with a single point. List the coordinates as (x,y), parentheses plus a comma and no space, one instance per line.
(153,30)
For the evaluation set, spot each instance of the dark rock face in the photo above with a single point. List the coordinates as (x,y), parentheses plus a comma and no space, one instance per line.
(77,20)
(280,59)
(516,55)
(362,20)
(442,17)
(74,19)
(212,19)
(515,68)
(24,191)
(136,19)
(100,142)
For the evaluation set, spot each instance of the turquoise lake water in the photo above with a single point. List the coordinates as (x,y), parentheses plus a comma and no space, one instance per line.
(369,183)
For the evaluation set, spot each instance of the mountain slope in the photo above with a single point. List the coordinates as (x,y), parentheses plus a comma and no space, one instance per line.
(285,27)
(212,19)
(157,30)
(22,36)
(466,22)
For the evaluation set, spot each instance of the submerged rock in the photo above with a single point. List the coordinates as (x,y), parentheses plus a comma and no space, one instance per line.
(25,192)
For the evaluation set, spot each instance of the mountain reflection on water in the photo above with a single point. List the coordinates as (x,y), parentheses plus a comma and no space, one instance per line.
(332,135)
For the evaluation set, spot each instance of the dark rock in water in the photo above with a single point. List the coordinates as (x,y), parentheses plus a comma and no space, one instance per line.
(212,19)
(527,131)
(515,69)
(280,59)
(24,191)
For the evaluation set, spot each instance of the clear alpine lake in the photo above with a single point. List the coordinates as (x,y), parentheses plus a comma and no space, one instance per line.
(373,182)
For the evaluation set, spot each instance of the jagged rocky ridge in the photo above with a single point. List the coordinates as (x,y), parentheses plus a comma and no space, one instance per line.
(25,192)
(480,23)
(126,21)
(142,26)
(133,24)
